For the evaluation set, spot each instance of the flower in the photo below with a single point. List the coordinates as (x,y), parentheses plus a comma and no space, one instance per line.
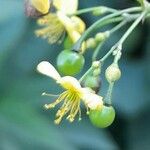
(41,5)
(36,8)
(72,96)
(56,23)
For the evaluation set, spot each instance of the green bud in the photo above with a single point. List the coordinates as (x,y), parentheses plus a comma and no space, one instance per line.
(96,64)
(93,82)
(90,43)
(101,36)
(112,73)
(96,72)
(99,11)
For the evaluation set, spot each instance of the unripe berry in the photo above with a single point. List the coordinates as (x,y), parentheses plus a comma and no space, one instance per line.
(112,73)
(102,118)
(70,62)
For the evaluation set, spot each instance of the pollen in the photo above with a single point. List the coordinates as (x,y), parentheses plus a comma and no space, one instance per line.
(51,28)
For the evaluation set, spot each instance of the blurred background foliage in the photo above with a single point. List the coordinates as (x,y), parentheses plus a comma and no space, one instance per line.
(24,124)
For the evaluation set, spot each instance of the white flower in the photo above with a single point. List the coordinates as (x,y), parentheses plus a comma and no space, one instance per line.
(72,96)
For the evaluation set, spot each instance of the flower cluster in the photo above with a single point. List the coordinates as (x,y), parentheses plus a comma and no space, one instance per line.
(56,23)
(58,17)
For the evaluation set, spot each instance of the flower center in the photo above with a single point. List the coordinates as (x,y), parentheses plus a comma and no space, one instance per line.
(71,106)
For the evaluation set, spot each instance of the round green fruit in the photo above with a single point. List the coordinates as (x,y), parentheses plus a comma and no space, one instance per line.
(70,62)
(102,118)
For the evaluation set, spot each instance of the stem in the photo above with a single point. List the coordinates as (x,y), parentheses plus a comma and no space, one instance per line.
(118,26)
(97,51)
(131,28)
(116,45)
(87,10)
(101,43)
(124,37)
(86,73)
(98,24)
(108,98)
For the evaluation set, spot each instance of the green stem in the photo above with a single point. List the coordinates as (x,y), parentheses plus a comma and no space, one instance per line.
(127,33)
(117,27)
(85,75)
(131,28)
(96,51)
(101,43)
(98,24)
(115,46)
(87,10)
(108,98)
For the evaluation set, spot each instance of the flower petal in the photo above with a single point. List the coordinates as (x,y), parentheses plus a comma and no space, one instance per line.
(93,101)
(79,24)
(71,26)
(69,83)
(47,69)
(65,20)
(66,6)
(41,5)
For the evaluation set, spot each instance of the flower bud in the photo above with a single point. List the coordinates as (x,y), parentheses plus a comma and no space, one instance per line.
(112,73)
(99,11)
(91,43)
(96,64)
(93,82)
(36,8)
(96,72)
(101,36)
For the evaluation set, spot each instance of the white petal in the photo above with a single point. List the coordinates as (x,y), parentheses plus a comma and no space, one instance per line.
(93,101)
(69,83)
(65,20)
(66,6)
(47,69)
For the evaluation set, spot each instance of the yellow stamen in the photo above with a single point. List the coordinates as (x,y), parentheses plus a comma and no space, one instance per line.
(71,105)
(52,28)
(60,98)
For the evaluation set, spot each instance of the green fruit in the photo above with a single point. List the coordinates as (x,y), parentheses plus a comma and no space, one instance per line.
(70,62)
(102,118)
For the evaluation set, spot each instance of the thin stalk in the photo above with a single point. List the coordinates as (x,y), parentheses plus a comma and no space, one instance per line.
(98,23)
(127,33)
(117,27)
(113,48)
(101,43)
(85,75)
(131,28)
(108,98)
(96,51)
(91,9)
